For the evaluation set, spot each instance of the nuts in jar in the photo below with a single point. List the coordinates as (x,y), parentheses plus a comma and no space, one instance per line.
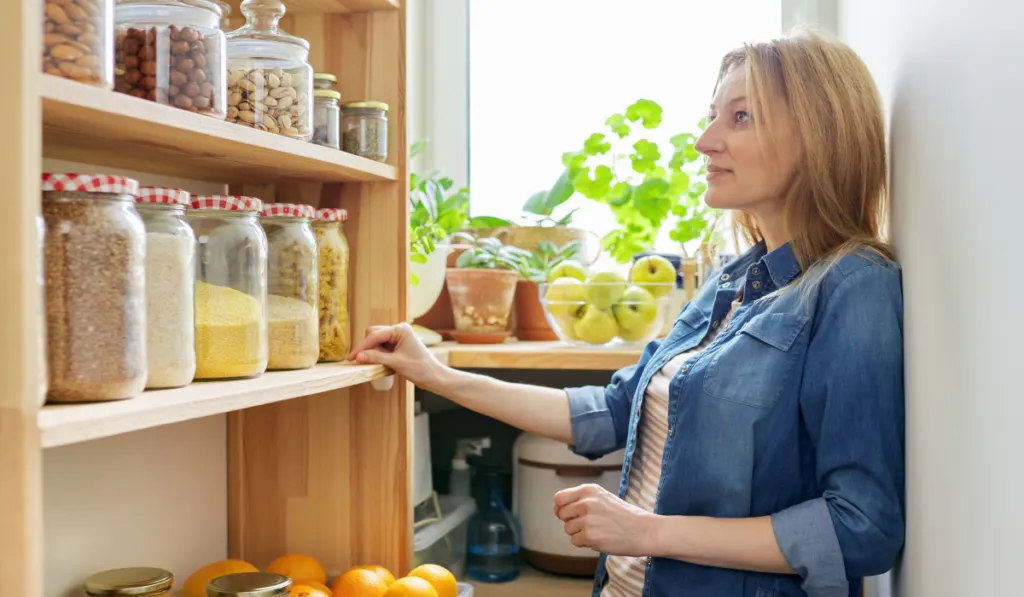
(272,100)
(75,43)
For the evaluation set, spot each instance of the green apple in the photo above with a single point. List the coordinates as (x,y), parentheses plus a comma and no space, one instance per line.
(565,296)
(637,335)
(567,323)
(637,309)
(604,289)
(655,273)
(568,269)
(597,326)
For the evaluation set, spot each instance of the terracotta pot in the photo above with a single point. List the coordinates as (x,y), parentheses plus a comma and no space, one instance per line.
(531,325)
(481,299)
(439,317)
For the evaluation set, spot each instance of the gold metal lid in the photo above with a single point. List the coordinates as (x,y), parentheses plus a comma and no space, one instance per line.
(326,93)
(325,77)
(249,584)
(377,105)
(129,581)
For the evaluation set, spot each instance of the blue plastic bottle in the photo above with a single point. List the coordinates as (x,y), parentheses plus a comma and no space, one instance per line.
(494,539)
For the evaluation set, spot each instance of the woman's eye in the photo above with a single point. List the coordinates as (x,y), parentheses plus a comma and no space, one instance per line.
(742,117)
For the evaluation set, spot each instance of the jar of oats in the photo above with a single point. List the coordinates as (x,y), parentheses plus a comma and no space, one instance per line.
(332,246)
(231,286)
(291,286)
(170,267)
(77,41)
(95,247)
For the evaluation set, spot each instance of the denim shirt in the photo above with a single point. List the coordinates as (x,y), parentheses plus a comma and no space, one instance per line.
(794,411)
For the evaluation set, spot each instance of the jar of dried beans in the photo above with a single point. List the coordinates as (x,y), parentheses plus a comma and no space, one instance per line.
(95,288)
(170,275)
(364,129)
(270,81)
(171,52)
(332,247)
(77,41)
(291,286)
(231,286)
(130,582)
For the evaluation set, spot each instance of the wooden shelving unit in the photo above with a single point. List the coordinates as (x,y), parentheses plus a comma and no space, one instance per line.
(533,355)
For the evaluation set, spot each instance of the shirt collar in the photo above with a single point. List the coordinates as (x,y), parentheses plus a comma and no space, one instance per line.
(782,265)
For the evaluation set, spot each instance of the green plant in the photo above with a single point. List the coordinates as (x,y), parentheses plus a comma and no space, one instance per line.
(490,253)
(628,171)
(434,213)
(538,209)
(535,265)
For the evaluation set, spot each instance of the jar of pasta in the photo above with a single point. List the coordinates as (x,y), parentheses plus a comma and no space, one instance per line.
(292,286)
(231,286)
(332,247)
(94,257)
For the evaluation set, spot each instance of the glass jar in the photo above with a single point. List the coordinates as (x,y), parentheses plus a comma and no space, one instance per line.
(333,259)
(326,118)
(231,286)
(270,81)
(324,81)
(170,281)
(291,286)
(41,312)
(130,582)
(77,41)
(171,52)
(365,129)
(95,251)
(225,15)
(249,584)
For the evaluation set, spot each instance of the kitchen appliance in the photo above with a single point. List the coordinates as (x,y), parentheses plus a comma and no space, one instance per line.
(543,467)
(422,472)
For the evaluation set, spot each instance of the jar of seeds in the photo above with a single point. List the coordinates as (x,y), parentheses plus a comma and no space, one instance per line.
(364,128)
(333,250)
(170,281)
(326,118)
(270,81)
(77,41)
(94,257)
(291,286)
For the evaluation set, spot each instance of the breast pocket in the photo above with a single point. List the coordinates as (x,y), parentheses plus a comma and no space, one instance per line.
(756,366)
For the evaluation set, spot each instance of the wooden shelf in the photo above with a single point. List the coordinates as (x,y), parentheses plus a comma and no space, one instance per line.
(73,423)
(85,124)
(536,584)
(533,355)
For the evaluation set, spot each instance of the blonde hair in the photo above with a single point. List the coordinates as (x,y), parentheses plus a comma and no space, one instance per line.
(837,201)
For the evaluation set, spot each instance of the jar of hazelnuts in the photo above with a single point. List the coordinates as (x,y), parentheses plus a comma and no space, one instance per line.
(171,52)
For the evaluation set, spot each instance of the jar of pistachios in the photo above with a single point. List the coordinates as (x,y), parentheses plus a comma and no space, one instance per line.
(364,127)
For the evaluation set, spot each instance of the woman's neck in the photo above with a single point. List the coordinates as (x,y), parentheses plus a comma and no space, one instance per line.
(772,226)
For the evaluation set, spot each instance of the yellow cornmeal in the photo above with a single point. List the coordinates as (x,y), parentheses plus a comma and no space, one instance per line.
(230,338)
(292,332)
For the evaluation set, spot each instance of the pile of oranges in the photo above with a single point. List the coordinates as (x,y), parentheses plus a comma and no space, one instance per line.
(309,579)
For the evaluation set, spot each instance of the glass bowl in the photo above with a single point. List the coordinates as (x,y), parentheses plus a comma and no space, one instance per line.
(608,315)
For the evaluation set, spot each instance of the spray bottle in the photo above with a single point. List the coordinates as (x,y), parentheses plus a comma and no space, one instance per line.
(459,483)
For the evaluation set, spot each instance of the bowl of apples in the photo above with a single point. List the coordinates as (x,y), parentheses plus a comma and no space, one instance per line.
(605,309)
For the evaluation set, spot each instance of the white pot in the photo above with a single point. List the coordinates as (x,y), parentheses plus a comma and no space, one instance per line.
(431,280)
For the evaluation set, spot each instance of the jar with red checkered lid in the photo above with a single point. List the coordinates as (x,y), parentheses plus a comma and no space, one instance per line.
(170,279)
(332,246)
(94,262)
(291,286)
(231,286)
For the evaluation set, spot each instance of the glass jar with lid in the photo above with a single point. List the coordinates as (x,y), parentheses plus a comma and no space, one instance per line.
(130,582)
(291,286)
(249,584)
(170,278)
(231,286)
(324,81)
(333,249)
(364,128)
(77,41)
(41,320)
(171,52)
(225,15)
(95,288)
(270,81)
(326,118)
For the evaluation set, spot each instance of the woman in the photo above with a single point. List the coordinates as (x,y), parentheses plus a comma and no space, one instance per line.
(764,435)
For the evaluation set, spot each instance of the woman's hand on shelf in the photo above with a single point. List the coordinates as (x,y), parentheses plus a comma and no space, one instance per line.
(398,348)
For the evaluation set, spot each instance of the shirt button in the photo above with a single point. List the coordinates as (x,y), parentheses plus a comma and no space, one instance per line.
(684,368)
(724,278)
(670,430)
(714,325)
(756,284)
(756,271)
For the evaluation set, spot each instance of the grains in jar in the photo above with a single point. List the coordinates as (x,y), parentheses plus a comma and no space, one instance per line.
(333,262)
(292,286)
(95,288)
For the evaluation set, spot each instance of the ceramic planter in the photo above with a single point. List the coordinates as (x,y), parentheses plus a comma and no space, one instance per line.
(481,303)
(531,323)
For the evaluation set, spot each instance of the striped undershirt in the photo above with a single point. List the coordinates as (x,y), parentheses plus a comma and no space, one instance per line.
(626,574)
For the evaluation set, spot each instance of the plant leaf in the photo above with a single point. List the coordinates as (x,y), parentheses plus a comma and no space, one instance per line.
(417,148)
(560,192)
(645,157)
(574,160)
(596,145)
(567,218)
(536,203)
(414,279)
(465,259)
(419,258)
(646,111)
(483,222)
(596,187)
(617,123)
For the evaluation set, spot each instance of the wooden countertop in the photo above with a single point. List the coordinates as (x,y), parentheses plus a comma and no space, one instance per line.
(533,583)
(533,355)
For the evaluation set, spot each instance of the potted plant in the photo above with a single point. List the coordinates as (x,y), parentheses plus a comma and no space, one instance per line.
(534,267)
(482,286)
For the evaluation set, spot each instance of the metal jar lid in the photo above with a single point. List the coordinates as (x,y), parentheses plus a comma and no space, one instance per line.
(129,581)
(249,584)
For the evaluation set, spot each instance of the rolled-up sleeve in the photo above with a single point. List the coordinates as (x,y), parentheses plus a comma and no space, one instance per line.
(852,403)
(600,415)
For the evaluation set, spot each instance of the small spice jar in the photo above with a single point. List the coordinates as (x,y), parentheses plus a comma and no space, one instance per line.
(170,279)
(130,582)
(326,118)
(270,81)
(95,288)
(231,286)
(77,41)
(291,286)
(324,81)
(332,246)
(171,52)
(364,127)
(249,584)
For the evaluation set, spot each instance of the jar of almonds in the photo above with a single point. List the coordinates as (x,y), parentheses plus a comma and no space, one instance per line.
(171,52)
(270,81)
(77,41)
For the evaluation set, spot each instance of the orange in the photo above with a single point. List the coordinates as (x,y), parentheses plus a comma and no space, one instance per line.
(195,586)
(295,565)
(439,577)
(359,582)
(307,590)
(411,586)
(380,571)
(316,585)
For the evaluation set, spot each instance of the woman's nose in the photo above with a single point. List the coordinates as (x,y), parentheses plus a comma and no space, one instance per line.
(709,142)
